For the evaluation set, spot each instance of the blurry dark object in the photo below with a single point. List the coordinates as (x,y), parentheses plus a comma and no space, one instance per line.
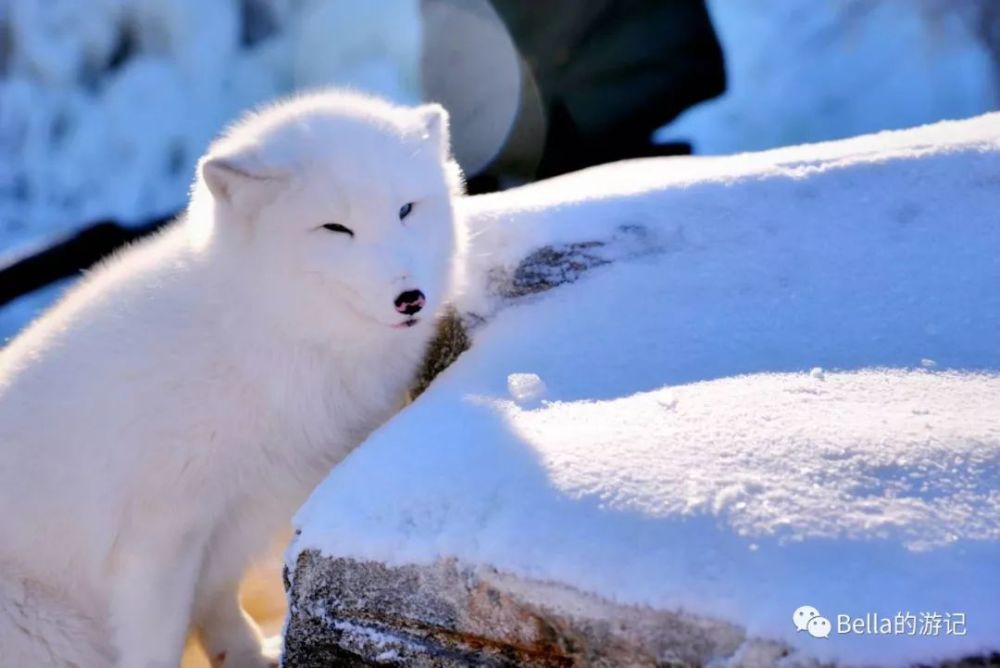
(610,72)
(606,75)
(471,65)
(545,87)
(70,256)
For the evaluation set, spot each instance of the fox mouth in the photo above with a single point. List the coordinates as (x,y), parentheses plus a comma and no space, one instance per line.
(351,294)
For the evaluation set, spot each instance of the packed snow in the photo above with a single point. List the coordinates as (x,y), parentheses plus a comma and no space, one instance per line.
(738,417)
(808,70)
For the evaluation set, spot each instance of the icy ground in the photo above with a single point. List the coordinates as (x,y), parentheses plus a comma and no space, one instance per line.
(802,70)
(783,390)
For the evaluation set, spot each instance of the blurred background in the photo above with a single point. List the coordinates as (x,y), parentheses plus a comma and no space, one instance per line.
(106,105)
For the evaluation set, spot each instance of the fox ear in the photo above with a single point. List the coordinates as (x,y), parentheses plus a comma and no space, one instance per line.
(225,175)
(434,118)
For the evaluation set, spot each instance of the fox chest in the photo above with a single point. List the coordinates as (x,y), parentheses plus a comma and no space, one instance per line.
(322,412)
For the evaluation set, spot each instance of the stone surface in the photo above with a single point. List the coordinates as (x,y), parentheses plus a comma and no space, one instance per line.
(345,612)
(447,615)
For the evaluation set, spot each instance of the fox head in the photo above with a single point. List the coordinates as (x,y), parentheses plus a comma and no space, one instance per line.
(338,209)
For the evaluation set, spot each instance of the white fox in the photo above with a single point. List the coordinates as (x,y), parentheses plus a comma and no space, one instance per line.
(168,416)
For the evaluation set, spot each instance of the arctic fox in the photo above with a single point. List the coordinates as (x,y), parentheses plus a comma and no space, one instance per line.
(165,419)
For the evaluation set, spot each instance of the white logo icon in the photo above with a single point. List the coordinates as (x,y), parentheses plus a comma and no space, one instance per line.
(819,627)
(802,616)
(807,618)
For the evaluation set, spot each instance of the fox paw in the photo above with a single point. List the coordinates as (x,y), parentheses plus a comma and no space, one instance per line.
(265,658)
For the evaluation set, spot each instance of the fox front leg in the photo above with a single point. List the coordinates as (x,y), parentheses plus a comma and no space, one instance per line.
(152,590)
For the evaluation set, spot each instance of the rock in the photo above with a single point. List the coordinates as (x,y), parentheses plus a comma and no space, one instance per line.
(447,615)
(450,340)
(345,612)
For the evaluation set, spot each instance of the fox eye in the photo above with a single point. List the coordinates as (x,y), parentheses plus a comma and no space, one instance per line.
(337,227)
(405,210)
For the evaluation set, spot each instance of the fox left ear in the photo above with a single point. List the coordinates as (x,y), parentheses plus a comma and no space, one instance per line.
(434,118)
(227,174)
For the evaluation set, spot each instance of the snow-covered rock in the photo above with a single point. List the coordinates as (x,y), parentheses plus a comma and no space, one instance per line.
(737,422)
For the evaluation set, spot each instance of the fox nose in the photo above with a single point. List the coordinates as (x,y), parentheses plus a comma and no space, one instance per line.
(410,302)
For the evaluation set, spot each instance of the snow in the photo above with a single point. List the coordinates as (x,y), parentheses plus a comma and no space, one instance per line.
(107,104)
(802,70)
(525,388)
(738,418)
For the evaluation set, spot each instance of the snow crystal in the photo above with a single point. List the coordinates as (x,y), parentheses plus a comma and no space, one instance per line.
(525,388)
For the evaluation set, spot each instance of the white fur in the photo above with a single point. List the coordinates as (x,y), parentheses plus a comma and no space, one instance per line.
(168,416)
